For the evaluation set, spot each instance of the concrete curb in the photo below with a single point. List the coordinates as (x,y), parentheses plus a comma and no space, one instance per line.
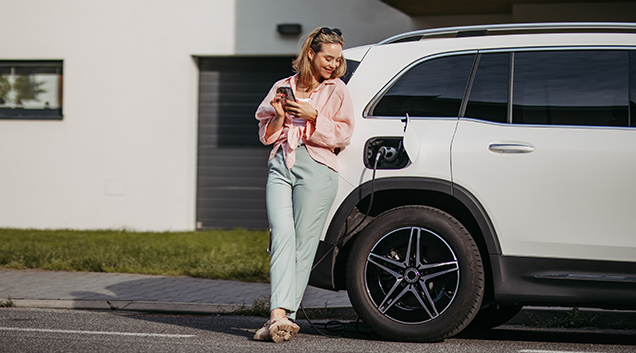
(167,307)
(153,306)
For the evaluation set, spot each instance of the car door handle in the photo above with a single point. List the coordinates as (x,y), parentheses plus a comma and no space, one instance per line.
(511,147)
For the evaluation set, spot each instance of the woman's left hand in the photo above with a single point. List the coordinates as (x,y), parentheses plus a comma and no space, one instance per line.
(302,110)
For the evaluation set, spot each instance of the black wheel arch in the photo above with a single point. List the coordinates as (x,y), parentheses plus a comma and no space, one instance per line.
(331,258)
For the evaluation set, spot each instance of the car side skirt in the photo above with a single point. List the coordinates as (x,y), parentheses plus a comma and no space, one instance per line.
(564,282)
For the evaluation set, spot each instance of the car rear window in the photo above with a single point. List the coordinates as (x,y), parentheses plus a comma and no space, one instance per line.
(577,87)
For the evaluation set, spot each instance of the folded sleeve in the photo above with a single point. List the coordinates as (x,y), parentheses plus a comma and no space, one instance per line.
(334,124)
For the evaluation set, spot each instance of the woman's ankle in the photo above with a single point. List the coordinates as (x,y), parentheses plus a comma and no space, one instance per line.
(277,314)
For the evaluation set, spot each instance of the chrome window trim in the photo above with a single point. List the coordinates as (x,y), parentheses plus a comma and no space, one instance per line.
(544,126)
(372,103)
(511,86)
(412,118)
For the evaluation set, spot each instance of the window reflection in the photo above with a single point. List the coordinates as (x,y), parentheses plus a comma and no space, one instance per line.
(434,88)
(571,88)
(489,93)
(30,90)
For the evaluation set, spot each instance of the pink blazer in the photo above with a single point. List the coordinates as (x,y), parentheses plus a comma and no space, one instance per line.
(333,129)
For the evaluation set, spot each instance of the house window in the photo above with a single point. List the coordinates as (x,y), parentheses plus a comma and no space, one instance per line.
(31,89)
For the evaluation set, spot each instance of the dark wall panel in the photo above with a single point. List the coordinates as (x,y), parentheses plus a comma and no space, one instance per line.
(232,163)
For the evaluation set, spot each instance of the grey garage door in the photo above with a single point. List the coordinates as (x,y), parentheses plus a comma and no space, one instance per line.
(232,163)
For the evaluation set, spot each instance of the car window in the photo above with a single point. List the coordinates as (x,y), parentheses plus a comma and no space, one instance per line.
(433,88)
(488,98)
(352,66)
(574,87)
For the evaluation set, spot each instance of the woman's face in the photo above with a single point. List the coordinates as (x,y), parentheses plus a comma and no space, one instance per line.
(325,61)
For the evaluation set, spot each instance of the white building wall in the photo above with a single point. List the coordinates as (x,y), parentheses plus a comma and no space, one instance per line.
(124,156)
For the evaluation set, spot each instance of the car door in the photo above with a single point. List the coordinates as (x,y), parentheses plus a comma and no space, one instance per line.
(551,156)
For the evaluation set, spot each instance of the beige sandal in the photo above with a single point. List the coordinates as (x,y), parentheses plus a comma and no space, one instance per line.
(283,330)
(263,333)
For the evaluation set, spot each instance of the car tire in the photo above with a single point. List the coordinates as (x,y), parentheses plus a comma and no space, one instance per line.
(415,274)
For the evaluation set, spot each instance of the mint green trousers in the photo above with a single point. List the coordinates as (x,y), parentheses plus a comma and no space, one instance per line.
(298,200)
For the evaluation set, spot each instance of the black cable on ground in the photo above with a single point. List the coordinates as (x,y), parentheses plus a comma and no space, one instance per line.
(340,324)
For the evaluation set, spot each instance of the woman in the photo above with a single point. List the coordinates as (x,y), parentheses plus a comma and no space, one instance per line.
(302,182)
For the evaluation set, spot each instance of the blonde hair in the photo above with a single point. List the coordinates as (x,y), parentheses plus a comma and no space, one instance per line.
(314,41)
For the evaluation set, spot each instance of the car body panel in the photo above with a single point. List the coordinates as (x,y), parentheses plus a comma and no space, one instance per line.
(434,135)
(572,197)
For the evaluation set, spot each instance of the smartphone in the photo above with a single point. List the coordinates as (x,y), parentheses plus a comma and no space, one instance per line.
(288,93)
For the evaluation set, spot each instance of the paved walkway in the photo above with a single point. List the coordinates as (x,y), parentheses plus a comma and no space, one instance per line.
(90,290)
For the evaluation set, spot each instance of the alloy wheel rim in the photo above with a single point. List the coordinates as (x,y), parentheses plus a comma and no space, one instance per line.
(411,275)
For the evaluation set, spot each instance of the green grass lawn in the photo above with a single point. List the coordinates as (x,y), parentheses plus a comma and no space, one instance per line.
(218,254)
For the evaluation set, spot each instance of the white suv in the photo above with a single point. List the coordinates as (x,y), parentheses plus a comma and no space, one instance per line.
(491,167)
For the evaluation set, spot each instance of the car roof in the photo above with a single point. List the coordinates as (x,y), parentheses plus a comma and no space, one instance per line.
(513,28)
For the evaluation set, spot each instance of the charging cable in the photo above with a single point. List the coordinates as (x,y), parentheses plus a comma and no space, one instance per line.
(381,152)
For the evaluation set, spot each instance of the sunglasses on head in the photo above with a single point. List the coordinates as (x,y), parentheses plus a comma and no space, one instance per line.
(327,31)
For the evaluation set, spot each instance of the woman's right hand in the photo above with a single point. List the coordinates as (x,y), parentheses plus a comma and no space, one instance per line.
(279,119)
(277,103)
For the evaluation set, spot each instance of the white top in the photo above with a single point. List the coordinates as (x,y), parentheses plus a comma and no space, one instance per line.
(300,121)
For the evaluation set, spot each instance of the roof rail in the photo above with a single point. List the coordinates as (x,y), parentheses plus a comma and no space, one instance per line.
(481,30)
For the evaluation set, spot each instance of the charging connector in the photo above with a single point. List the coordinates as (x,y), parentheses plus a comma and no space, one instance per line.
(381,153)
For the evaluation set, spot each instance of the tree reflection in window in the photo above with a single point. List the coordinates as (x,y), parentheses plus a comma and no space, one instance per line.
(27,88)
(30,89)
(5,88)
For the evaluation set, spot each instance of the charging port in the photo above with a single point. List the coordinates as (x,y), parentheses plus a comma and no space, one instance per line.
(392,156)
